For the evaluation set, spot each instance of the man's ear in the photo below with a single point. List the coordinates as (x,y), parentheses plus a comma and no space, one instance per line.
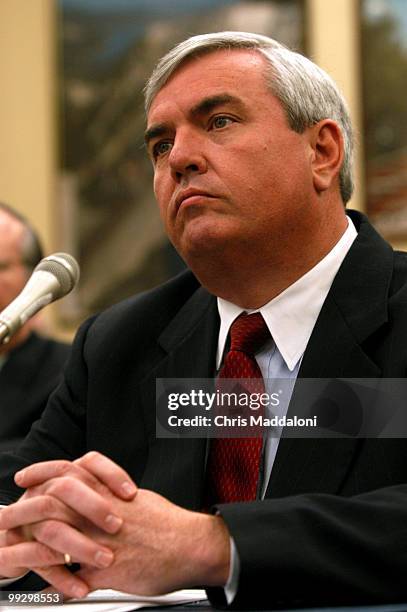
(327,153)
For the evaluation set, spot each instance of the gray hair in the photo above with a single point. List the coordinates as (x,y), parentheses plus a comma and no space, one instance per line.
(31,249)
(306,92)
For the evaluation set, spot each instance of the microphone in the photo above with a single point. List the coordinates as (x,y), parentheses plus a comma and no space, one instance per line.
(54,277)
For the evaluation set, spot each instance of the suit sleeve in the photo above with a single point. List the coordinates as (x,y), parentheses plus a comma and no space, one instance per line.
(61,431)
(315,550)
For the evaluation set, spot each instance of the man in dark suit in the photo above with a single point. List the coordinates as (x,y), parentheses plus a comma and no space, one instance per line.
(30,366)
(251,146)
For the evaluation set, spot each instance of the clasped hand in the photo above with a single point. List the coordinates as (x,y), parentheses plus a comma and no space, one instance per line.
(124,538)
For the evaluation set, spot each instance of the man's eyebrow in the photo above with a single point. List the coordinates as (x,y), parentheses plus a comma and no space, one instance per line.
(208,104)
(154,131)
(201,108)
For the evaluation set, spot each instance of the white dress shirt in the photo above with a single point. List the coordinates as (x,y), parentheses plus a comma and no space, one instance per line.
(290,318)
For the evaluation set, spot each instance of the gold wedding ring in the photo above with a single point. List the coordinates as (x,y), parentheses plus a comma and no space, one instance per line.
(67,559)
(26,529)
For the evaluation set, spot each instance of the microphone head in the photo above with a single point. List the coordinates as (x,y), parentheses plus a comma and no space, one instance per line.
(64,268)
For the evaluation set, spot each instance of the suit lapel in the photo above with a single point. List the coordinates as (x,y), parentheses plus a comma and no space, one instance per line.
(355,308)
(175,467)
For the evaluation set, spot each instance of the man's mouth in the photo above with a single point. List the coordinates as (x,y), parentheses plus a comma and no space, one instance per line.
(190,196)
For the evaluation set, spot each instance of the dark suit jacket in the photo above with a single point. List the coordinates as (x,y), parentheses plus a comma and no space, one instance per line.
(333,528)
(32,370)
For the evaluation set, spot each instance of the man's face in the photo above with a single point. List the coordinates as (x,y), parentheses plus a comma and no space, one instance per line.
(229,173)
(13,274)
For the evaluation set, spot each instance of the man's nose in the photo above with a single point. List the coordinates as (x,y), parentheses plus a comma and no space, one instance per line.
(187,156)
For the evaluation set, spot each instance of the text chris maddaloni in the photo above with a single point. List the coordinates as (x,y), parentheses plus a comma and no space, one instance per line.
(253,420)
(237,409)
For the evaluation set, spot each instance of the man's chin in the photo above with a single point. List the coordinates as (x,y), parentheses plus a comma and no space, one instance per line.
(202,242)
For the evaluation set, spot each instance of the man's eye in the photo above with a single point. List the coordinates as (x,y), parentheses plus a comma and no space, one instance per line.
(161,148)
(221,121)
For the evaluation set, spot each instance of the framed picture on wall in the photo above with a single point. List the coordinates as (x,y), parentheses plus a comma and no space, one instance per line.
(384,71)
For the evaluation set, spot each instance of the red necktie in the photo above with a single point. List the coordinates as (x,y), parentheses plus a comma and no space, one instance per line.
(234,463)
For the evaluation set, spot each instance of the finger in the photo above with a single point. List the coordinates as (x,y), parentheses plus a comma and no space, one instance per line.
(108,472)
(67,540)
(93,468)
(86,502)
(26,555)
(39,473)
(14,536)
(35,509)
(64,581)
(61,498)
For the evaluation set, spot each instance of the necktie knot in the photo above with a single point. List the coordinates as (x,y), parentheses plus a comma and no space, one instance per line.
(248,333)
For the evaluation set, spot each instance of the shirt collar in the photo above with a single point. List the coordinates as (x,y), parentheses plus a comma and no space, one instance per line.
(291,316)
